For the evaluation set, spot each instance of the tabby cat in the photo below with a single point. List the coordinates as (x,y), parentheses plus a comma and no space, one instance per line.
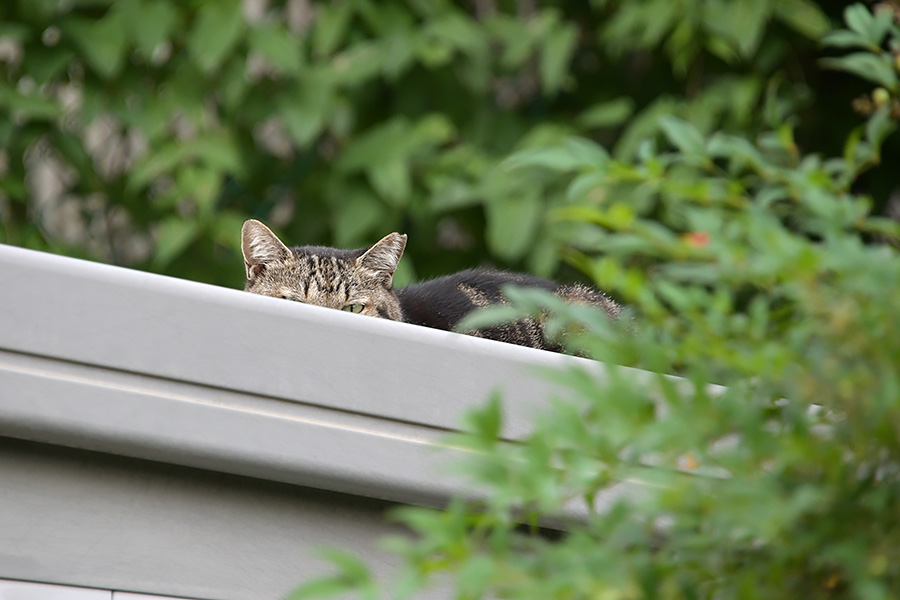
(361,281)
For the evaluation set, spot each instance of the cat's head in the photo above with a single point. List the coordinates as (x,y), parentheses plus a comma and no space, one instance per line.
(354,280)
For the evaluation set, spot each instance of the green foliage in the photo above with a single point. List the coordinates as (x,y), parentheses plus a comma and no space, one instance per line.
(771,469)
(672,151)
(143,132)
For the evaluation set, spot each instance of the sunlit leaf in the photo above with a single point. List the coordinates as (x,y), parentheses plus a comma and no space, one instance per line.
(218,28)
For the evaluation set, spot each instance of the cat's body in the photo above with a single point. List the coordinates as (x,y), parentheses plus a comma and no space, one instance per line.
(362,281)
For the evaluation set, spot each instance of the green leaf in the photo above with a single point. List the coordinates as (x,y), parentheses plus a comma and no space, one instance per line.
(584,183)
(45,64)
(278,46)
(352,568)
(102,42)
(804,16)
(391,180)
(162,160)
(217,151)
(359,216)
(217,30)
(397,54)
(512,223)
(149,23)
(173,236)
(323,587)
(332,19)
(586,153)
(559,159)
(385,142)
(303,123)
(843,38)
(871,27)
(200,183)
(305,112)
(474,576)
(555,56)
(738,150)
(607,114)
(30,107)
(488,317)
(859,19)
(740,22)
(576,153)
(684,136)
(455,30)
(432,130)
(868,66)
(879,126)
(359,63)
(486,422)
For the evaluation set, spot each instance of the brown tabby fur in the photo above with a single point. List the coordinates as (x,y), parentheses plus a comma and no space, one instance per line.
(362,281)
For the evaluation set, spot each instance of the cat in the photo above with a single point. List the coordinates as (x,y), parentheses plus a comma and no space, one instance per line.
(361,281)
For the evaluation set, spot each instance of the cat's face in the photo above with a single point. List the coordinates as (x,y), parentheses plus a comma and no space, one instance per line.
(358,281)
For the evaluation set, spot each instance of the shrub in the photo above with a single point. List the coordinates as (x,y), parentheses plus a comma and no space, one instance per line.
(143,132)
(749,264)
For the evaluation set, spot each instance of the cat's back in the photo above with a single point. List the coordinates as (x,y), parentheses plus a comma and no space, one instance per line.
(444,301)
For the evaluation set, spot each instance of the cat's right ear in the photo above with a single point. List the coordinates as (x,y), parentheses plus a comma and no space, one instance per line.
(384,255)
(260,247)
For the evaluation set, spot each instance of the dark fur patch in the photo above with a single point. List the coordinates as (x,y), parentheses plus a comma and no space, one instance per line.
(442,303)
(335,278)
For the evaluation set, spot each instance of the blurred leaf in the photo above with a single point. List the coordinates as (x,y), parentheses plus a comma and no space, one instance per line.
(868,66)
(607,114)
(359,217)
(457,31)
(555,56)
(323,587)
(392,181)
(28,107)
(742,22)
(575,153)
(475,575)
(278,46)
(843,38)
(511,224)
(486,422)
(804,16)
(684,136)
(359,63)
(44,64)
(102,42)
(148,23)
(871,27)
(388,141)
(585,183)
(172,237)
(218,28)
(880,126)
(332,20)
(201,184)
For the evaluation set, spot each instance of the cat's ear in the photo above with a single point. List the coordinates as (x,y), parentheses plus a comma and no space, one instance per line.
(383,256)
(260,247)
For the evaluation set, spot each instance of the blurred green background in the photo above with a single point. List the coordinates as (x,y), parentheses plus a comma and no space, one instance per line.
(143,132)
(723,167)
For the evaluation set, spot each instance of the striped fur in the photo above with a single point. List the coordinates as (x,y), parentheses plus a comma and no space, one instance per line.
(362,281)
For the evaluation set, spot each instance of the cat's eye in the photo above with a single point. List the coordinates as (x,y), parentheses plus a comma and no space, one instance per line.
(354,308)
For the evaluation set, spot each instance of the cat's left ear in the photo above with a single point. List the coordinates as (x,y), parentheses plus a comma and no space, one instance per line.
(383,256)
(261,247)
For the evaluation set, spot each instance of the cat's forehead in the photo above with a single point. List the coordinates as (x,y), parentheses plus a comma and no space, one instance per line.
(326,253)
(321,258)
